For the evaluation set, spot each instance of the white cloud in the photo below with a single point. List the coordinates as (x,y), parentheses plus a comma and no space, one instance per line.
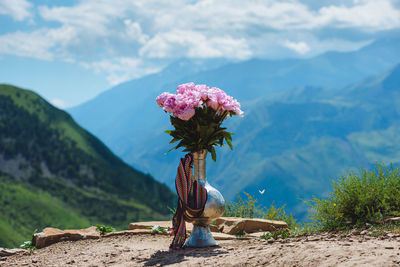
(92,16)
(59,103)
(368,15)
(133,31)
(121,69)
(18,9)
(192,44)
(37,44)
(299,47)
(123,39)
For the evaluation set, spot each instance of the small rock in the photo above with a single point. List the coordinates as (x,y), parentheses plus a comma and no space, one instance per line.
(71,262)
(34,261)
(313,238)
(389,247)
(3,258)
(4,252)
(355,232)
(364,232)
(270,241)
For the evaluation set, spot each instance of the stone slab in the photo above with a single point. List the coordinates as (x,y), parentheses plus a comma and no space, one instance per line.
(222,236)
(165,224)
(236,225)
(51,235)
(144,225)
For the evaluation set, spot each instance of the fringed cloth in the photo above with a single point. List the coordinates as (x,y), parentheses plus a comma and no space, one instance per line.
(187,209)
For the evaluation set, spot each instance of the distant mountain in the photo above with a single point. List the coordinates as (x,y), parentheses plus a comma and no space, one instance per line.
(54,173)
(291,141)
(292,144)
(115,112)
(124,116)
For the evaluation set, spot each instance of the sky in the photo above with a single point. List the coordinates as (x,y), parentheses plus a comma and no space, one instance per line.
(69,51)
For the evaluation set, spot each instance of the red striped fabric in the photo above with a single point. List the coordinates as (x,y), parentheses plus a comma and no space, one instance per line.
(187,209)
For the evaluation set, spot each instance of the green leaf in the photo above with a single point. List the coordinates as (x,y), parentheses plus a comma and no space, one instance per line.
(174,140)
(213,154)
(229,142)
(168,131)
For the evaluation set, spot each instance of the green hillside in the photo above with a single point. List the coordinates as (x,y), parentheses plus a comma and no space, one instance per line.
(54,173)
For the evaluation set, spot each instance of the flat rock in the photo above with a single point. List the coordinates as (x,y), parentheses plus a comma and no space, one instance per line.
(4,252)
(394,219)
(165,224)
(144,225)
(235,225)
(256,234)
(214,228)
(222,236)
(132,232)
(53,235)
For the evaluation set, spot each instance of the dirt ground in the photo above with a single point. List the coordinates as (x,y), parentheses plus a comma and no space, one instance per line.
(152,250)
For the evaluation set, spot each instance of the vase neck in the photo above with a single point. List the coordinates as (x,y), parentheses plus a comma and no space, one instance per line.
(199,158)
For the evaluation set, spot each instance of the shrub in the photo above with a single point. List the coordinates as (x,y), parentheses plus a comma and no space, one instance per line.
(250,209)
(244,208)
(359,198)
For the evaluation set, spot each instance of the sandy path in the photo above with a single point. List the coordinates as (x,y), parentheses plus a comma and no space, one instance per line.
(150,250)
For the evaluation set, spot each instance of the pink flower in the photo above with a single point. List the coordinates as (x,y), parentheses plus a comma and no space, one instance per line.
(190,96)
(169,104)
(185,113)
(162,98)
(185,87)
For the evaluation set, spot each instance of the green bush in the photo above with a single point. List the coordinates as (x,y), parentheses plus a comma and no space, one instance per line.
(249,209)
(359,198)
(243,208)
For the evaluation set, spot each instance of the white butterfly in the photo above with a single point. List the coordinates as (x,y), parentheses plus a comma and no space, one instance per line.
(261,192)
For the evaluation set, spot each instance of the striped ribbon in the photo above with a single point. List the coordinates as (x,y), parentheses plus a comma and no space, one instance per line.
(187,208)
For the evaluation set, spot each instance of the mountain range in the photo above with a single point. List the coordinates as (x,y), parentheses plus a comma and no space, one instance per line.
(55,173)
(306,121)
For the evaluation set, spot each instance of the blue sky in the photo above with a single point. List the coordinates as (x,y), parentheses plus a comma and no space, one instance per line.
(71,50)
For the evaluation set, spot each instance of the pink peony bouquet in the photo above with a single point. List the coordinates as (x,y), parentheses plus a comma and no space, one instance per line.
(197,114)
(190,96)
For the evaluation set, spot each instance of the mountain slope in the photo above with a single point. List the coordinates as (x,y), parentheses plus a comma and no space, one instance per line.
(124,119)
(293,143)
(43,150)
